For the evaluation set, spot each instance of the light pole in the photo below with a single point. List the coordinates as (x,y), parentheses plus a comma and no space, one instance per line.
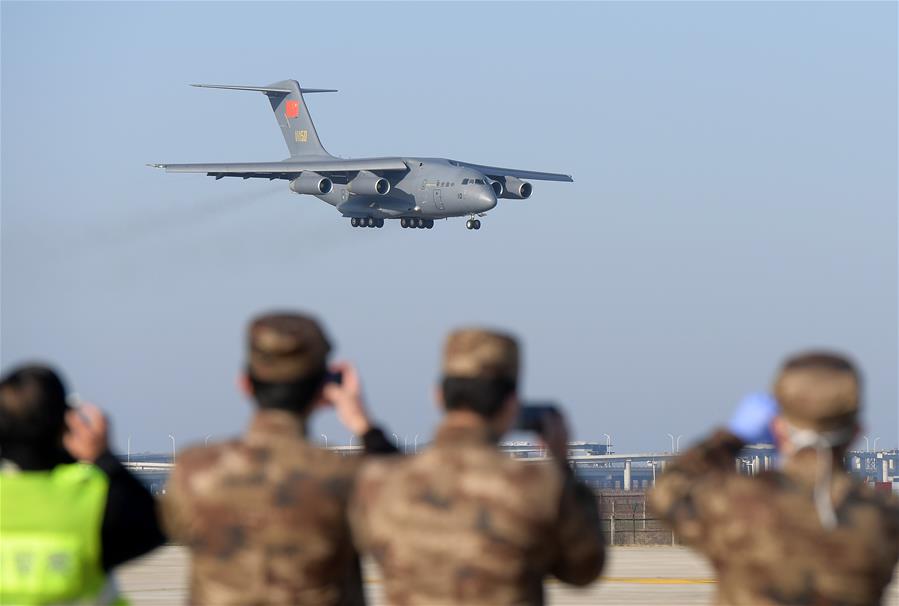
(206,441)
(415,444)
(129,449)
(875,444)
(675,448)
(608,442)
(866,443)
(173,448)
(326,439)
(396,440)
(405,444)
(351,440)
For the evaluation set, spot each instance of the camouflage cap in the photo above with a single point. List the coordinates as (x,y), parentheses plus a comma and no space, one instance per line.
(819,391)
(286,347)
(472,353)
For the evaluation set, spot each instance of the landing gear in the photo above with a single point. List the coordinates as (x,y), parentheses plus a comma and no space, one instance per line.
(473,224)
(366,222)
(417,223)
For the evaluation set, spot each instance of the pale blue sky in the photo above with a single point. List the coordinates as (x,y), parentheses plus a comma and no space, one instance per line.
(734,200)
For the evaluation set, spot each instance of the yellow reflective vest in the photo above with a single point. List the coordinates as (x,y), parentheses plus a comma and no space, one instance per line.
(50,546)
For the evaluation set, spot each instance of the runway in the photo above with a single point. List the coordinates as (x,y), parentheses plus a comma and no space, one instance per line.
(633,576)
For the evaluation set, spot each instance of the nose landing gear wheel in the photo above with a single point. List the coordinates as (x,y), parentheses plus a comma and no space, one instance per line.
(404,223)
(379,223)
(354,222)
(477,224)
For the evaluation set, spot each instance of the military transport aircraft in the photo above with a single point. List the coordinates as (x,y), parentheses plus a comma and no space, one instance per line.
(369,190)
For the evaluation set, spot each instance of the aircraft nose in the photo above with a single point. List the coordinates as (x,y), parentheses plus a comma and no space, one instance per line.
(486,199)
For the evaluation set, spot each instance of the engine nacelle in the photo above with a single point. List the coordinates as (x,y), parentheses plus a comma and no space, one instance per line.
(311,183)
(498,188)
(369,184)
(516,189)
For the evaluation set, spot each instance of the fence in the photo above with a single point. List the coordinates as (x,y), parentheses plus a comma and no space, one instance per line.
(626,521)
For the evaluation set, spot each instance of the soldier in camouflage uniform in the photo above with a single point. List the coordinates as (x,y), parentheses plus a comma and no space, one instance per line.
(463,523)
(264,515)
(805,534)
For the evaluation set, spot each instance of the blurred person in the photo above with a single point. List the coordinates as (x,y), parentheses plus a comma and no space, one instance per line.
(807,533)
(69,511)
(463,522)
(264,515)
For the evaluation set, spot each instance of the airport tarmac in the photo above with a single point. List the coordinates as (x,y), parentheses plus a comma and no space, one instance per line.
(633,576)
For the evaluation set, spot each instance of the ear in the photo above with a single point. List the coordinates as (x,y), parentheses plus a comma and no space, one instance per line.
(780,432)
(244,386)
(319,401)
(508,413)
(438,399)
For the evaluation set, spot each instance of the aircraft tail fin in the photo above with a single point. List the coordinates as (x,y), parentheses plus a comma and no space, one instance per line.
(286,98)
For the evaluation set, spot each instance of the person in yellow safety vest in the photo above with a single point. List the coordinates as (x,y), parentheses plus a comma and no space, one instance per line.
(69,511)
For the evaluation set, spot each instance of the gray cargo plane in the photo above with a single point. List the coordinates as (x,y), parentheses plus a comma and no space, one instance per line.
(369,190)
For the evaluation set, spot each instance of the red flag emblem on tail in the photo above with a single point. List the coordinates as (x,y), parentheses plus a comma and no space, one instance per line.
(292,109)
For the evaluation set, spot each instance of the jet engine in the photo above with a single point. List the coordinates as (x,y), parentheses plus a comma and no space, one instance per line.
(498,188)
(369,184)
(311,183)
(516,189)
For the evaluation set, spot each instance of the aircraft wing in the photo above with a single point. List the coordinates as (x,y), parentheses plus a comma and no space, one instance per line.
(288,169)
(496,171)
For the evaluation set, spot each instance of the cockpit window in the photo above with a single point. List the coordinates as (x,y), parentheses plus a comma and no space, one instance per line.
(479,181)
(464,181)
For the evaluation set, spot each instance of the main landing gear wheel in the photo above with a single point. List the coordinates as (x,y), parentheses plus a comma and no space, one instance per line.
(473,224)
(366,222)
(417,223)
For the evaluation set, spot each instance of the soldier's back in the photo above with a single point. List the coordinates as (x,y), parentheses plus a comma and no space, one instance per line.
(766,541)
(461,523)
(264,517)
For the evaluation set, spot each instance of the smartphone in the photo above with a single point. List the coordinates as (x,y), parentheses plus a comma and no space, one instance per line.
(532,415)
(334,376)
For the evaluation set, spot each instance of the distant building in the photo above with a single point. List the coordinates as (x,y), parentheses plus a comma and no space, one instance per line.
(598,467)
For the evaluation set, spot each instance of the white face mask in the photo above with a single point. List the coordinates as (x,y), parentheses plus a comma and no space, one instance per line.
(823,442)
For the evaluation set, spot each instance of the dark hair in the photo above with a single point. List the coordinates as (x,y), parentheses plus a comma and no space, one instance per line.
(294,396)
(483,396)
(32,406)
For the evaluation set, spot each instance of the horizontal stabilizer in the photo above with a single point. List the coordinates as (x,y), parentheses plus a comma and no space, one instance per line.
(266,89)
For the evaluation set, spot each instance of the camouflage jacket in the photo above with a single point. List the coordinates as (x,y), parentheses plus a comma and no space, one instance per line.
(264,518)
(763,536)
(463,523)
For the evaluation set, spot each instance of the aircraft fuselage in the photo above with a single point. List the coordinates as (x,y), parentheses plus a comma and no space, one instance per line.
(432,188)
